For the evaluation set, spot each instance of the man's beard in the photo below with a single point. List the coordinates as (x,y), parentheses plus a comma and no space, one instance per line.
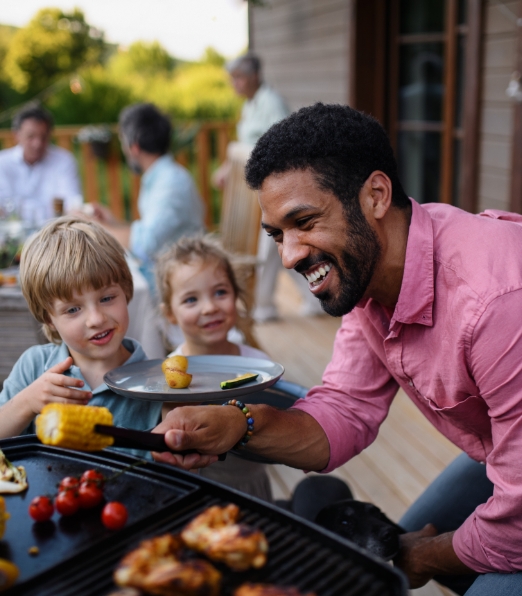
(358,261)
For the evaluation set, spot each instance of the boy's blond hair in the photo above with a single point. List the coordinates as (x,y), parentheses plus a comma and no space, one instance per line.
(206,249)
(68,255)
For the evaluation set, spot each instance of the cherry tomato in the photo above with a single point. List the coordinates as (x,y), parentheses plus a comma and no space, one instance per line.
(93,476)
(68,483)
(90,495)
(67,502)
(41,509)
(114,515)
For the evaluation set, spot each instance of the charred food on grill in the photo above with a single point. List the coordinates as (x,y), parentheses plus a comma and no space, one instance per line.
(268,590)
(217,534)
(159,566)
(13,479)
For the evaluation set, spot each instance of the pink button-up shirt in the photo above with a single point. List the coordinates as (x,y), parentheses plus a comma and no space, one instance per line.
(454,344)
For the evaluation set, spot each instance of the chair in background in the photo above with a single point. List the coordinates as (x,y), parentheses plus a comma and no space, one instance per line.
(240,226)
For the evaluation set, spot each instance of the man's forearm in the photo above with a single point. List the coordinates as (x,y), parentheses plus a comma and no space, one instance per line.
(290,436)
(423,555)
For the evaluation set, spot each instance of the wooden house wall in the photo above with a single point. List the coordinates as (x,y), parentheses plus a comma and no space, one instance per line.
(304,45)
(496,129)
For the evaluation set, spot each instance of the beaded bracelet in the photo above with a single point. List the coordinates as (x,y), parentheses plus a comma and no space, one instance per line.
(249,419)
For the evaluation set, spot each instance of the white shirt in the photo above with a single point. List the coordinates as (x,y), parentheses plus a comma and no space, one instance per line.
(244,350)
(29,190)
(259,113)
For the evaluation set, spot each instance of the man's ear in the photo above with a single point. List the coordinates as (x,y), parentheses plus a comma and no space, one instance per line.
(376,195)
(134,150)
(166,311)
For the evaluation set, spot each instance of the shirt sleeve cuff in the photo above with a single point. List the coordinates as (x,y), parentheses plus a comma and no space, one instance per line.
(325,422)
(475,553)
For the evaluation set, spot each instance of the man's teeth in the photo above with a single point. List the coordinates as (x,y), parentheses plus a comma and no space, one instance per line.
(318,274)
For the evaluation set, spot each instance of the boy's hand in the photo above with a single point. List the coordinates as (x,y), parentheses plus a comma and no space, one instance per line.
(54,387)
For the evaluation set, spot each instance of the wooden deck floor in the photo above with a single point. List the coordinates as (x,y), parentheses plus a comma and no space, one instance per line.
(408,453)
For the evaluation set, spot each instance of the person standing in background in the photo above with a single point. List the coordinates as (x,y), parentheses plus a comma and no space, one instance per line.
(262,108)
(169,203)
(34,173)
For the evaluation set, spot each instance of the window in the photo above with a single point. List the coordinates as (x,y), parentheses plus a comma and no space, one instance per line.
(416,67)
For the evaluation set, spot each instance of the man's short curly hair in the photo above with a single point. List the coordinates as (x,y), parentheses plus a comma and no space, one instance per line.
(339,144)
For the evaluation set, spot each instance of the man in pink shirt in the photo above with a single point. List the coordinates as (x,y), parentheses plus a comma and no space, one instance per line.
(431,298)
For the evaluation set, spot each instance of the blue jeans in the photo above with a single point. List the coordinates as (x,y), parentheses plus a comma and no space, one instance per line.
(446,503)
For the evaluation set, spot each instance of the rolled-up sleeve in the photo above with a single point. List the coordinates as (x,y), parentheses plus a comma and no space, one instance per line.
(490,539)
(355,396)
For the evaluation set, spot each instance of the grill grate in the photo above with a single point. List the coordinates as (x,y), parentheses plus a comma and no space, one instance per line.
(295,559)
(300,554)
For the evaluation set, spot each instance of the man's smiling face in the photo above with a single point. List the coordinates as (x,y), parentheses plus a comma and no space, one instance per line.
(336,249)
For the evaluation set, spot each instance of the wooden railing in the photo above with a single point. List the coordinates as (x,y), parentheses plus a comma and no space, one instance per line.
(110,182)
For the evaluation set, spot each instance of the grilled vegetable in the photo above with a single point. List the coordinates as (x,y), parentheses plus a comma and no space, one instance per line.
(8,574)
(175,371)
(241,380)
(177,379)
(4,516)
(72,427)
(41,508)
(13,479)
(175,363)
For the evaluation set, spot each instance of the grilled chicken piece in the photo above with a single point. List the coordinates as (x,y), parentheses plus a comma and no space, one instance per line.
(216,533)
(157,567)
(267,590)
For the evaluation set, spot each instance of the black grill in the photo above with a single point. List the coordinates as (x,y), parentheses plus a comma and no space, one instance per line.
(300,554)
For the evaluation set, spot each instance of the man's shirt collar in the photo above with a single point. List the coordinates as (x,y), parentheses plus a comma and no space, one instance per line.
(415,304)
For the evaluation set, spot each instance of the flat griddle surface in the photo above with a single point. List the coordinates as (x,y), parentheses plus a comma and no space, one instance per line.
(78,555)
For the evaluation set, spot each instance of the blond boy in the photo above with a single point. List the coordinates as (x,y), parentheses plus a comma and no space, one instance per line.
(76,281)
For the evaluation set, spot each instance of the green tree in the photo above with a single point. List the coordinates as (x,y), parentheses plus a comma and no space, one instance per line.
(100,98)
(54,44)
(8,96)
(142,58)
(212,56)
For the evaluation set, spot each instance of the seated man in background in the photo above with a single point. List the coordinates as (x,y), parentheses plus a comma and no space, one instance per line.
(34,172)
(169,204)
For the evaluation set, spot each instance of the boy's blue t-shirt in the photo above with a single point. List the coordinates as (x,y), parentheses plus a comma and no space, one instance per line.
(130,413)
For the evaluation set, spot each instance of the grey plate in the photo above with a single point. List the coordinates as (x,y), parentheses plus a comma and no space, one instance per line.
(145,380)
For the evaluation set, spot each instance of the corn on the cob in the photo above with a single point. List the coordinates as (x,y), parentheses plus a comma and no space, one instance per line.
(8,574)
(4,516)
(72,427)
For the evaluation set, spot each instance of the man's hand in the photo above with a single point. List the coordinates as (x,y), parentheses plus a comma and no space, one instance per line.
(210,430)
(54,387)
(290,436)
(219,177)
(101,214)
(424,554)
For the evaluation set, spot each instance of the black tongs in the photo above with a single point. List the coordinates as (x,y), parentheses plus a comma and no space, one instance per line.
(128,438)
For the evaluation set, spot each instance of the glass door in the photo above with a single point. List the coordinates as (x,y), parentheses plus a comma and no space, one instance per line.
(427,60)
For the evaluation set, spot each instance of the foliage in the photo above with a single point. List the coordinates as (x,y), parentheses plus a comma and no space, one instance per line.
(211,56)
(8,96)
(190,91)
(53,44)
(100,100)
(143,58)
(87,84)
